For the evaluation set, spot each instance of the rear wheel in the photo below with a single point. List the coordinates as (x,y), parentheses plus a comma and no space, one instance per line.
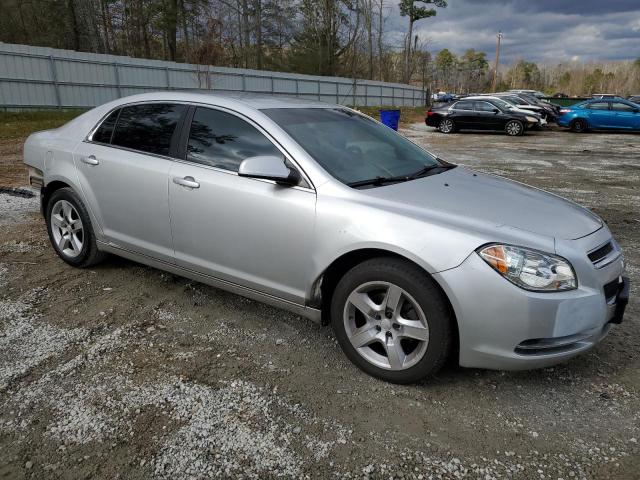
(514,128)
(578,126)
(70,229)
(447,125)
(391,320)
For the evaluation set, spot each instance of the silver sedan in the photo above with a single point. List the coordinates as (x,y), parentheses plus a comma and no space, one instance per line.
(323,211)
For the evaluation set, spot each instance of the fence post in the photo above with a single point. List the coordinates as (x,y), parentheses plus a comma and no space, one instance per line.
(166,71)
(244,82)
(54,76)
(319,98)
(117,75)
(355,86)
(338,93)
(393,96)
(272,89)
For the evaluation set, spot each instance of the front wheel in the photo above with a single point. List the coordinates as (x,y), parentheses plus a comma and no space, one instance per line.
(447,126)
(70,229)
(514,128)
(391,320)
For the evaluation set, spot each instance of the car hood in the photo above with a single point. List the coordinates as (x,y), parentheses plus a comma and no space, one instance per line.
(494,201)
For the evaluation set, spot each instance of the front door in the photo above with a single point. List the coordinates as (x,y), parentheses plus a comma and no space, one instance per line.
(625,115)
(488,116)
(124,169)
(250,232)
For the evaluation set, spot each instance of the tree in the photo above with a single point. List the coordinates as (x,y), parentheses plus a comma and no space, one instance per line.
(408,8)
(328,28)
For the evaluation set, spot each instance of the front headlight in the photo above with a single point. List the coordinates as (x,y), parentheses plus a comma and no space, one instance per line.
(530,269)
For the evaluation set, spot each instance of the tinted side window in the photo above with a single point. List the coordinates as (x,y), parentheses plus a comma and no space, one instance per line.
(223,140)
(599,106)
(147,128)
(621,107)
(105,130)
(463,106)
(484,107)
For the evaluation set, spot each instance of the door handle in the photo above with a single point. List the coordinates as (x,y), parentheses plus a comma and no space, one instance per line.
(90,160)
(189,182)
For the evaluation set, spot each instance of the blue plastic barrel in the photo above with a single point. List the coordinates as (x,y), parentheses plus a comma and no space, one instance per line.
(390,118)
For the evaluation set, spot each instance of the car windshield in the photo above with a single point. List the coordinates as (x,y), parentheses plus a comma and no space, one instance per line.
(352,147)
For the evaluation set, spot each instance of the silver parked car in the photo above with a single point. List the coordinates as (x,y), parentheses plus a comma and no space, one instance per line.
(323,211)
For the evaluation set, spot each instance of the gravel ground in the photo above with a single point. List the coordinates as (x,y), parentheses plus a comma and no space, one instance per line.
(123,371)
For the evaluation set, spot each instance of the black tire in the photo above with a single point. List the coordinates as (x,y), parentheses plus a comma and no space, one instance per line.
(447,125)
(89,254)
(578,125)
(424,291)
(514,128)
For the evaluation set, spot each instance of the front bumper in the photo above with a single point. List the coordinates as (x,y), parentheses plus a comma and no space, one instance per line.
(504,327)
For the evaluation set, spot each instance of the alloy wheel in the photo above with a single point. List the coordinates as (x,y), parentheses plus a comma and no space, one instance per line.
(386,325)
(514,128)
(446,126)
(67,229)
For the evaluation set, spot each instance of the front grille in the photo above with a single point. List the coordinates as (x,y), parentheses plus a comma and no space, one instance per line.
(600,253)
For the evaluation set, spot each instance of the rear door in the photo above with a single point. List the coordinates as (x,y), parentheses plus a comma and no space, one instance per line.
(599,115)
(124,168)
(625,115)
(463,114)
(249,232)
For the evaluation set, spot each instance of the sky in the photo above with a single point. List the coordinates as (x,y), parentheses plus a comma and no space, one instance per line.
(544,31)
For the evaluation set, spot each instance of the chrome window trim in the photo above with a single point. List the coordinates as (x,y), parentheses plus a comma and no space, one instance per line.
(285,153)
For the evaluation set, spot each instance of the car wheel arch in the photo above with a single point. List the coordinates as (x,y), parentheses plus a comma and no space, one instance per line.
(325,284)
(584,121)
(49,189)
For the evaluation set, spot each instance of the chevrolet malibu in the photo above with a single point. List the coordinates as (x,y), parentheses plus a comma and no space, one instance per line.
(325,212)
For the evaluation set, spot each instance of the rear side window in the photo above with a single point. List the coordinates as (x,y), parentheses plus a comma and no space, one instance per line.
(598,106)
(222,140)
(621,107)
(484,107)
(463,106)
(105,130)
(147,128)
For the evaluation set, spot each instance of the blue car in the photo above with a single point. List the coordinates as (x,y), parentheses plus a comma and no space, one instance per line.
(606,113)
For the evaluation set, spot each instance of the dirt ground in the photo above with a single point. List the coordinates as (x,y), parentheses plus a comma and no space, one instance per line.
(123,371)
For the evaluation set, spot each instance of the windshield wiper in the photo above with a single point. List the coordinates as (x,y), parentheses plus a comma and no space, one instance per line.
(378,181)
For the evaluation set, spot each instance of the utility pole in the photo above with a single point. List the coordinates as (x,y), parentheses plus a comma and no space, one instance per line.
(495,73)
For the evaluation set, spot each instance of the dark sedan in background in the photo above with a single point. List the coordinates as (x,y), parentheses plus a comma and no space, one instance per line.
(479,115)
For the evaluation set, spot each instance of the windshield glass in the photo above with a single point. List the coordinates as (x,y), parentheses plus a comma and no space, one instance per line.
(351,147)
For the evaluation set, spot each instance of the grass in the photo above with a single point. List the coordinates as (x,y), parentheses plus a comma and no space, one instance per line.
(407,114)
(21,124)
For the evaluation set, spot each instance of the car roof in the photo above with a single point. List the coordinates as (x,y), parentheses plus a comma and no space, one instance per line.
(254,101)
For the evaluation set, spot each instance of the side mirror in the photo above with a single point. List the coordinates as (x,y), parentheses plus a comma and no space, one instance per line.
(268,167)
(495,110)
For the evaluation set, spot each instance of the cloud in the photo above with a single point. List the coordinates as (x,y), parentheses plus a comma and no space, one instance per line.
(549,31)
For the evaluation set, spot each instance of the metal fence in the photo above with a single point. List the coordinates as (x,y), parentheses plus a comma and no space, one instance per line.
(38,77)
